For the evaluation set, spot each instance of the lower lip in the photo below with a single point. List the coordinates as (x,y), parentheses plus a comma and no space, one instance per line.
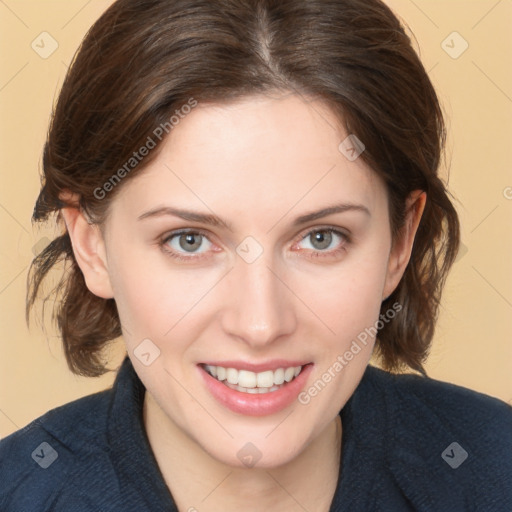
(260,404)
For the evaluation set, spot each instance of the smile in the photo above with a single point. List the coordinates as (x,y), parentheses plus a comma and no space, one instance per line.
(255,389)
(246,381)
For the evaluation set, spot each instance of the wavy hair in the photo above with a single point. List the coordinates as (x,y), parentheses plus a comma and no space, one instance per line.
(144,59)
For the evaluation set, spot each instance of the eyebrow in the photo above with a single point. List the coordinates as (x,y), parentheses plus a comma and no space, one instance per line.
(213,220)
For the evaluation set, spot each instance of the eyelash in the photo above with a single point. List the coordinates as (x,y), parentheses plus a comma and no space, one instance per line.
(346,240)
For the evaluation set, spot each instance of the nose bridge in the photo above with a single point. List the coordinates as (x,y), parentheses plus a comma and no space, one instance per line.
(260,307)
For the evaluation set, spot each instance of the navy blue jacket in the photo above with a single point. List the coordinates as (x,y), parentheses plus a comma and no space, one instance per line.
(409,443)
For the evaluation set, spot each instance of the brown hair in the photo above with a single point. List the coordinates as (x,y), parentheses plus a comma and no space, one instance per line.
(144,59)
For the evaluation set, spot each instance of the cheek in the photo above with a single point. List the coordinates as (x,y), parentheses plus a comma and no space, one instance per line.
(348,298)
(154,300)
(142,301)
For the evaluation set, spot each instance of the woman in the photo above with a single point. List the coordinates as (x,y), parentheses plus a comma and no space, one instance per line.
(249,195)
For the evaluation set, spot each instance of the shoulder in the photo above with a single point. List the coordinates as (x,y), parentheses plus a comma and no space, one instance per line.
(62,447)
(449,436)
(436,402)
(435,392)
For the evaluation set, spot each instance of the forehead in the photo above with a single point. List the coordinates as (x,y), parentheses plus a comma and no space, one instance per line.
(257,157)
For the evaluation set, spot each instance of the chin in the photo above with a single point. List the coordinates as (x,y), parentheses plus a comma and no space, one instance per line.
(260,450)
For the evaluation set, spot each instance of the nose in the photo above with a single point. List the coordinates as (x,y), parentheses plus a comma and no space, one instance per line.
(260,307)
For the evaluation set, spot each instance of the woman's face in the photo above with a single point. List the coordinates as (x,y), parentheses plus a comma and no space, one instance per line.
(253,243)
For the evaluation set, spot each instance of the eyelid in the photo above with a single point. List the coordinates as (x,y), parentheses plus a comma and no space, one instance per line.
(333,229)
(164,240)
(184,231)
(346,240)
(342,232)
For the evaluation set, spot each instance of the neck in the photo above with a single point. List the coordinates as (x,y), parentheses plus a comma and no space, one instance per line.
(199,482)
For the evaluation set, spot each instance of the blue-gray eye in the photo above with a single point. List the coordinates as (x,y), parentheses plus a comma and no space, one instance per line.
(189,242)
(323,238)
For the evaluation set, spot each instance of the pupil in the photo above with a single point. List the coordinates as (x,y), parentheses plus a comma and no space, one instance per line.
(189,242)
(323,238)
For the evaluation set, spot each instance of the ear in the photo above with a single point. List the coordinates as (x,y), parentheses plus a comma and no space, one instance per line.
(402,246)
(88,248)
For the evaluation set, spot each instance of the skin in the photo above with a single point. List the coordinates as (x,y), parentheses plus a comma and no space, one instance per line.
(258,163)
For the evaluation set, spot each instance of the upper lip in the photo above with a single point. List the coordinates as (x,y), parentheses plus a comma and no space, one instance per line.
(273,364)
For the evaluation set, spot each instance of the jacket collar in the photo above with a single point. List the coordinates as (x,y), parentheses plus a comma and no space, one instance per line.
(364,456)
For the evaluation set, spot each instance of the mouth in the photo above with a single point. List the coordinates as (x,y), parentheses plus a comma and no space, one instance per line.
(255,390)
(250,382)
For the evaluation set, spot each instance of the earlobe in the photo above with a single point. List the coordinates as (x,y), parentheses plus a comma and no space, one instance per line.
(89,250)
(402,246)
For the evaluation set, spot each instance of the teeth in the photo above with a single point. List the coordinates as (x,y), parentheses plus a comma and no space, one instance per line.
(288,374)
(221,372)
(279,376)
(246,379)
(232,376)
(251,382)
(265,379)
(253,390)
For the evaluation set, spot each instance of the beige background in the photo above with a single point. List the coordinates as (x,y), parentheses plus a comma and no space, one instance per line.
(472,345)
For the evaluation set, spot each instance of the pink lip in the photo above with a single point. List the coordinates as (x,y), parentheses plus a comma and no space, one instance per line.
(273,365)
(252,404)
